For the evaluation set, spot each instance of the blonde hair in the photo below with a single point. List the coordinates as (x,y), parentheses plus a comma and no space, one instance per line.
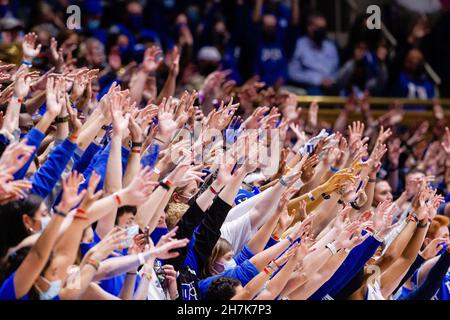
(174,212)
(221,248)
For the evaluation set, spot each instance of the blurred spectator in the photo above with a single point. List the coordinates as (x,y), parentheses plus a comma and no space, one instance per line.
(413,81)
(315,61)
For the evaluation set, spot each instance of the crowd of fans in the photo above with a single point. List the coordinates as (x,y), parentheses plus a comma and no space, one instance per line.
(139,164)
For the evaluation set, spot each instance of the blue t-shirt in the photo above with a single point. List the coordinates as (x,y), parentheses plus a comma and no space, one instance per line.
(8,291)
(244,272)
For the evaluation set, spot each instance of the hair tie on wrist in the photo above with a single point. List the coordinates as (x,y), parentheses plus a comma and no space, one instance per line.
(59,213)
(311,196)
(333,169)
(283,182)
(354,205)
(289,238)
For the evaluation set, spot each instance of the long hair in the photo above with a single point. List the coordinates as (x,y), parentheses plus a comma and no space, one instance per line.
(10,263)
(221,248)
(12,228)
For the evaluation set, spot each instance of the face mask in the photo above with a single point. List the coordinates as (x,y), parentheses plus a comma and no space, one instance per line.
(220,267)
(319,35)
(3,9)
(93,24)
(44,222)
(229,264)
(53,290)
(136,21)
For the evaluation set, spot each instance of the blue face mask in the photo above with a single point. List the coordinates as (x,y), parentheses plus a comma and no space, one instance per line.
(136,21)
(93,24)
(3,9)
(53,289)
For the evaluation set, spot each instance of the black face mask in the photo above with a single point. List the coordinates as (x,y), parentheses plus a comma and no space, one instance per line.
(269,35)
(420,69)
(319,35)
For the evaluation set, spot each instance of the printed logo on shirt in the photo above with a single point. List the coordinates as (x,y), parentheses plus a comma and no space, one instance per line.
(188,291)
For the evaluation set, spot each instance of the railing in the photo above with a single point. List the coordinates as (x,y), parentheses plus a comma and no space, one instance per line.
(410,117)
(335,100)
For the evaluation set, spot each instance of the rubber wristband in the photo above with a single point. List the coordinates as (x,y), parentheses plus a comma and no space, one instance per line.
(213,190)
(118,200)
(60,213)
(131,273)
(275,263)
(62,119)
(311,196)
(372,180)
(27,63)
(354,205)
(424,225)
(275,238)
(333,169)
(267,271)
(289,238)
(93,263)
(137,151)
(168,183)
(136,144)
(164,185)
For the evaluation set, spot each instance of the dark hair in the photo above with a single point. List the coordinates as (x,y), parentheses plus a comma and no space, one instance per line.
(222,288)
(12,228)
(12,262)
(125,209)
(314,15)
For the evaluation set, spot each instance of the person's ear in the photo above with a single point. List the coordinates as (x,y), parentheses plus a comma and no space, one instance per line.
(176,197)
(27,222)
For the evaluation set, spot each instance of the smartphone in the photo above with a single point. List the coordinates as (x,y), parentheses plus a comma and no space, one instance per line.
(131,232)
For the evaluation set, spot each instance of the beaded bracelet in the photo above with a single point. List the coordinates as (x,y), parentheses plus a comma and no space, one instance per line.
(93,263)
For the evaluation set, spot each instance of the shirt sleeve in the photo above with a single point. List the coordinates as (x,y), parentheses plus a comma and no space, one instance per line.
(34,138)
(45,179)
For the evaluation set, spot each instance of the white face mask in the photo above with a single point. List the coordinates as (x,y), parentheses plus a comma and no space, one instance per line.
(53,289)
(44,222)
(220,267)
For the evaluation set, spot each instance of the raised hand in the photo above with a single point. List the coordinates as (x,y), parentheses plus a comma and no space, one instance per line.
(446,141)
(91,196)
(253,122)
(22,85)
(151,62)
(433,248)
(55,90)
(168,243)
(30,50)
(140,188)
(108,244)
(70,196)
(166,118)
(15,156)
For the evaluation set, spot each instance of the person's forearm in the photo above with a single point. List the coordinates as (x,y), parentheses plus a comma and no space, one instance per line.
(160,210)
(148,209)
(62,128)
(11,118)
(230,191)
(90,130)
(318,278)
(128,287)
(133,167)
(252,288)
(113,183)
(114,266)
(87,273)
(277,283)
(370,192)
(326,211)
(263,258)
(137,88)
(398,245)
(205,200)
(30,269)
(168,88)
(317,192)
(393,275)
(45,122)
(341,121)
(33,104)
